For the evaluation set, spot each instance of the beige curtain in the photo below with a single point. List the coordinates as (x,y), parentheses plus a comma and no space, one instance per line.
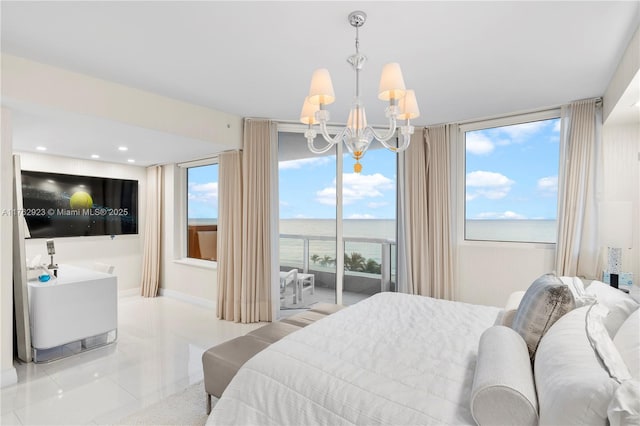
(425,243)
(413,247)
(229,235)
(577,245)
(245,226)
(440,260)
(256,222)
(152,233)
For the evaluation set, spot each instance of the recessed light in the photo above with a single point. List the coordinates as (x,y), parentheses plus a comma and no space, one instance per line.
(95,156)
(51,181)
(123,148)
(41,148)
(131,160)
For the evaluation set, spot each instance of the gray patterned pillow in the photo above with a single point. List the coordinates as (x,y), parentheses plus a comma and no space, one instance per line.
(544,302)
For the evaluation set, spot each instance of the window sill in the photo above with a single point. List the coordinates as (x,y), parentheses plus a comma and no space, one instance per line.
(204,264)
(509,244)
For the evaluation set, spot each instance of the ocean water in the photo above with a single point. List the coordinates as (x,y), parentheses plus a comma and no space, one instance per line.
(321,235)
(534,231)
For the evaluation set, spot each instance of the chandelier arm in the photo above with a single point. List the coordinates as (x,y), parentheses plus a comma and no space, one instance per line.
(390,132)
(404,136)
(405,143)
(315,150)
(311,134)
(325,134)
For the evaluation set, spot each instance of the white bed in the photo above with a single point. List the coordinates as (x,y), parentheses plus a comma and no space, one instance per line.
(390,359)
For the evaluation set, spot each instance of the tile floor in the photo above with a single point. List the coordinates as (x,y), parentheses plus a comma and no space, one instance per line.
(322,295)
(158,353)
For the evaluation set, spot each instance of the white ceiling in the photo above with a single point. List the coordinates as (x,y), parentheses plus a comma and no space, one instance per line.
(465,60)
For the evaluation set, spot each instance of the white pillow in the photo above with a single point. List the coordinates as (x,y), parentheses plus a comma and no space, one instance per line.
(627,340)
(576,286)
(634,292)
(624,409)
(603,345)
(503,391)
(620,304)
(511,308)
(572,385)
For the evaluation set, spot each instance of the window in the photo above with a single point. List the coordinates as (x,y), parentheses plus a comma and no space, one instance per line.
(511,179)
(202,211)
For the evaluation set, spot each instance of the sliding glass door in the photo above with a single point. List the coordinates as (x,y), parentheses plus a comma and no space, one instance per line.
(369,224)
(341,261)
(307,223)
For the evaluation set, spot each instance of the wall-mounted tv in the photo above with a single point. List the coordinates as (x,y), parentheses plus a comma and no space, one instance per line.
(60,205)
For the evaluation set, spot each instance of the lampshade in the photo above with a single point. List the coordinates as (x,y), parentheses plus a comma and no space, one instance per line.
(409,106)
(391,82)
(321,90)
(308,113)
(616,224)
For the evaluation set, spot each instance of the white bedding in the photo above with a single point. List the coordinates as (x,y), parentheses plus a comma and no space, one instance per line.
(392,359)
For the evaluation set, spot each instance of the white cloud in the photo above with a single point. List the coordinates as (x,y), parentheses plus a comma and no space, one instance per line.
(504,215)
(355,187)
(303,162)
(548,185)
(479,144)
(489,185)
(556,126)
(361,216)
(377,205)
(517,132)
(481,178)
(206,192)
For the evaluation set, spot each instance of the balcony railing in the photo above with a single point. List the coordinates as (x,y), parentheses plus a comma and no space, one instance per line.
(387,269)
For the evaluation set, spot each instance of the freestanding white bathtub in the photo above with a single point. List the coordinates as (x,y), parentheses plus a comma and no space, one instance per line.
(74,312)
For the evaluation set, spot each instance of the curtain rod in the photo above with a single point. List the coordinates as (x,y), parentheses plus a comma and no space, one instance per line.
(287,123)
(517,113)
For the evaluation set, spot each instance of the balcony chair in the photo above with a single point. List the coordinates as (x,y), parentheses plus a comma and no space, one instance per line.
(289,279)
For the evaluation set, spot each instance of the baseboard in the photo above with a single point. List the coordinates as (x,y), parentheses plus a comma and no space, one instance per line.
(9,377)
(187,298)
(128,293)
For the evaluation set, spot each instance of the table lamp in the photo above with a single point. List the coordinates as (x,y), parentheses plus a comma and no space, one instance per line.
(617,231)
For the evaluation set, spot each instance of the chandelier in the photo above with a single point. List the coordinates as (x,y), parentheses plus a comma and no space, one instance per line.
(358,135)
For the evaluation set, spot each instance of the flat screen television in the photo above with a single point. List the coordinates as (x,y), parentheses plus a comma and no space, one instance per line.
(60,205)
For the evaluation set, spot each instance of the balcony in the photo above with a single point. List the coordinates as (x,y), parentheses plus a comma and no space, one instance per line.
(369,267)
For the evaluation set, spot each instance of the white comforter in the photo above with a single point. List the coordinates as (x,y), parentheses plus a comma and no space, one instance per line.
(392,359)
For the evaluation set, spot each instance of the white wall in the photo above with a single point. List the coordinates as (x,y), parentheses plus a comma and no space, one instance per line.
(6,252)
(625,71)
(487,273)
(40,84)
(621,181)
(123,251)
(621,146)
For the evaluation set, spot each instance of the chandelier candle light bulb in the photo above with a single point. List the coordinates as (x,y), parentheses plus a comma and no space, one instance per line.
(358,135)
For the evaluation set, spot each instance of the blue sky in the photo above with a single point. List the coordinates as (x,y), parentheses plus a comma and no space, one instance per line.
(202,192)
(511,173)
(308,187)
